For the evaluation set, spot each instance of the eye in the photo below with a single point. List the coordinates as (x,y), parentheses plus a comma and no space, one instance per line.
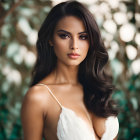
(63,36)
(83,37)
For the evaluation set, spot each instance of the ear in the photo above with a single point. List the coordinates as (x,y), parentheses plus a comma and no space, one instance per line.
(50,43)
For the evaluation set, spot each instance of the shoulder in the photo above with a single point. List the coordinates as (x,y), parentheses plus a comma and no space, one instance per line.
(33,112)
(36,96)
(36,91)
(106,127)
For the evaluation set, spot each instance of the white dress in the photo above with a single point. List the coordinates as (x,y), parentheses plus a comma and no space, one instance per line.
(72,127)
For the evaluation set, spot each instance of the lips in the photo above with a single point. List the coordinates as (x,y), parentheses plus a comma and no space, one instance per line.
(73,55)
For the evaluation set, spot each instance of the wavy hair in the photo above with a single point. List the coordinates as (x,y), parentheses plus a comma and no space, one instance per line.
(96,83)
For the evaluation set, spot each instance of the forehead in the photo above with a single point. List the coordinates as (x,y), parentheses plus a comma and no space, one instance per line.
(71,24)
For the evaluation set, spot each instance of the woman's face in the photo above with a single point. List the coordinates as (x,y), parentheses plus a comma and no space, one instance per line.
(70,41)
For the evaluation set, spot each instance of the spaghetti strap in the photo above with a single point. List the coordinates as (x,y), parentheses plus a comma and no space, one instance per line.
(57,99)
(51,93)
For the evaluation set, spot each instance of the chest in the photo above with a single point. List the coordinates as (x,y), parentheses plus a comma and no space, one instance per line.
(67,110)
(67,124)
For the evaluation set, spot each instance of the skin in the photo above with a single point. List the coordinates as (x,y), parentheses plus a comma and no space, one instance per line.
(40,112)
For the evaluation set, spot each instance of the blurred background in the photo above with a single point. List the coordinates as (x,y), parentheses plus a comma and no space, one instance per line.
(20,20)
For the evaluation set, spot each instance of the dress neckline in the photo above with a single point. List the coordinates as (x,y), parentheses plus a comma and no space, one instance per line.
(111,129)
(77,116)
(66,108)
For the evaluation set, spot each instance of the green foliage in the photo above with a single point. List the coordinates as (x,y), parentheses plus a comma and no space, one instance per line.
(19,23)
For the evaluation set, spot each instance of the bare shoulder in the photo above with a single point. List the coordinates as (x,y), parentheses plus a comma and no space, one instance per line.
(105,126)
(34,111)
(37,95)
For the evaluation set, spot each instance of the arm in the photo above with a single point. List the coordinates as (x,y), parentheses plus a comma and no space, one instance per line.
(32,115)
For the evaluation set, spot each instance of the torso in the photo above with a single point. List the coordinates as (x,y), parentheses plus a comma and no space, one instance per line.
(70,96)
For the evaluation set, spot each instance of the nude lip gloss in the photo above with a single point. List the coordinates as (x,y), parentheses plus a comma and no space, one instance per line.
(73,55)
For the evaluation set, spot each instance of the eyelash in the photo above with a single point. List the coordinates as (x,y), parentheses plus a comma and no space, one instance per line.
(82,37)
(63,36)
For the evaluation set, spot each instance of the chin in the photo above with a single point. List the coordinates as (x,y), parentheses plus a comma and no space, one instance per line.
(68,62)
(73,63)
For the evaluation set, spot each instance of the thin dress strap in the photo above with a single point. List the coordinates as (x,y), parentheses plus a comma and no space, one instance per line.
(51,93)
(57,99)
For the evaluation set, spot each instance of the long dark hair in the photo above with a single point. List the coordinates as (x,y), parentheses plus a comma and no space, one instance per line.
(97,85)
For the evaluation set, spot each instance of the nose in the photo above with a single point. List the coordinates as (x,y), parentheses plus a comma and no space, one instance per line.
(74,43)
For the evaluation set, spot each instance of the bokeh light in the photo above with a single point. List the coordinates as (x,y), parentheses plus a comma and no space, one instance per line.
(119,23)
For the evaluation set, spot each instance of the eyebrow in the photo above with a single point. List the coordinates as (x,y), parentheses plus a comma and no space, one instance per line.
(69,32)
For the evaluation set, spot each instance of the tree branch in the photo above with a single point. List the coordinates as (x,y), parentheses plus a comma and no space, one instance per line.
(14,6)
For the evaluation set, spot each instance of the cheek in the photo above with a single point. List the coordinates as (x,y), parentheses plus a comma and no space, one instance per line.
(59,44)
(85,47)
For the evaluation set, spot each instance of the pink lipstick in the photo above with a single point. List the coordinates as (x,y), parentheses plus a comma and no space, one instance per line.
(73,55)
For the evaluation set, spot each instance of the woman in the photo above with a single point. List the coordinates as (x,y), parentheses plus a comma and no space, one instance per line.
(70,94)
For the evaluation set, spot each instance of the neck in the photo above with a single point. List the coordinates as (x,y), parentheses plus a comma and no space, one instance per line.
(66,74)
